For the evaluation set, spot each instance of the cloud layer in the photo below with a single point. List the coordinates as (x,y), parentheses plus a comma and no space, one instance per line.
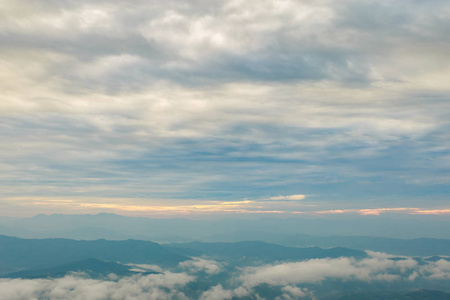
(305,278)
(293,280)
(157,286)
(225,100)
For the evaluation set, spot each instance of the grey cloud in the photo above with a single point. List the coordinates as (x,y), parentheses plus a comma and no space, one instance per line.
(162,124)
(222,42)
(175,98)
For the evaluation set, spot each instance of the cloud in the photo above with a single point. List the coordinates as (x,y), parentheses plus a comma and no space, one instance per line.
(293,280)
(435,270)
(155,286)
(149,206)
(219,293)
(307,278)
(228,41)
(291,197)
(145,268)
(378,211)
(377,267)
(294,292)
(196,265)
(224,100)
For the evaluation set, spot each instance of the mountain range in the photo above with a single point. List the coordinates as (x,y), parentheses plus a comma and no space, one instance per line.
(299,232)
(30,258)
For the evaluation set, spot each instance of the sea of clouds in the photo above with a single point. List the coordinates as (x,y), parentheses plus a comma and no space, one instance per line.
(294,279)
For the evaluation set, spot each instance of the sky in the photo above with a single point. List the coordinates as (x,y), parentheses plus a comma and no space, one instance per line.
(233,107)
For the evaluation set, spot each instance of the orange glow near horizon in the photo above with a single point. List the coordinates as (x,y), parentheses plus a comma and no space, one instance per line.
(192,207)
(378,211)
(247,206)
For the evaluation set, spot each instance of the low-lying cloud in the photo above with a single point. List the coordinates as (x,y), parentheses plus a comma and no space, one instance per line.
(155,286)
(379,267)
(316,270)
(196,265)
(292,280)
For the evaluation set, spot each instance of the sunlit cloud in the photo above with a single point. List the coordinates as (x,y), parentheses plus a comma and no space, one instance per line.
(431,211)
(136,206)
(378,211)
(291,197)
(172,207)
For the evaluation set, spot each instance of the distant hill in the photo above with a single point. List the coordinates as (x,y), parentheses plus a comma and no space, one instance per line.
(32,258)
(20,254)
(417,295)
(255,250)
(117,227)
(411,247)
(361,233)
(95,268)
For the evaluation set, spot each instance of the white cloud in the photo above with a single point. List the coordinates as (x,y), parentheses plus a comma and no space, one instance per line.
(196,265)
(146,267)
(436,270)
(291,279)
(294,291)
(376,267)
(156,286)
(217,293)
